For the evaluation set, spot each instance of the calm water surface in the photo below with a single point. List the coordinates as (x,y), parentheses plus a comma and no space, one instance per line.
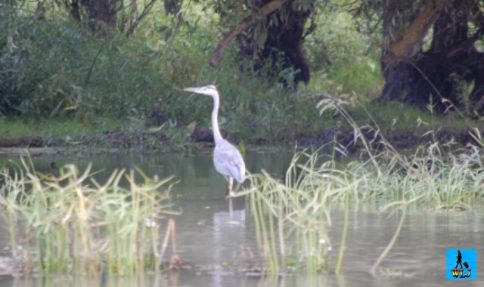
(209,236)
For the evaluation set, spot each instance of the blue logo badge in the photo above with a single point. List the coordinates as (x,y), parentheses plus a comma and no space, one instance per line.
(461,264)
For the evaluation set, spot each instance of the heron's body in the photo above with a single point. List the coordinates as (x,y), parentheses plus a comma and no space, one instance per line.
(228,161)
(226,157)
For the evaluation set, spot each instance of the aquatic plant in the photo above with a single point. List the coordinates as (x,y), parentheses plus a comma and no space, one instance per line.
(291,216)
(438,174)
(298,206)
(71,223)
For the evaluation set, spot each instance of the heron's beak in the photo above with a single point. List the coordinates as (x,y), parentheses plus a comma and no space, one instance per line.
(191,90)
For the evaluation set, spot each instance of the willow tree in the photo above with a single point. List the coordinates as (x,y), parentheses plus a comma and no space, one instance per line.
(271,35)
(430,51)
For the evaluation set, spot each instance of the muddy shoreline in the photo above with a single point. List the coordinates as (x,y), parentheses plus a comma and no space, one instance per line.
(119,140)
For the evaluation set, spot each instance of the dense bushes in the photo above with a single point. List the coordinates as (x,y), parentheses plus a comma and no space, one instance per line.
(59,68)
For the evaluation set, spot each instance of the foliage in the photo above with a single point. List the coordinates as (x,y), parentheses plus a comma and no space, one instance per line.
(342,59)
(71,223)
(56,69)
(429,52)
(298,206)
(274,41)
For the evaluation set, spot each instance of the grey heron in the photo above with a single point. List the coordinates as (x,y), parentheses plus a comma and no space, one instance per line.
(226,157)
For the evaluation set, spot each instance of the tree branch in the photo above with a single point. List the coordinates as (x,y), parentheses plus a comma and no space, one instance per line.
(417,29)
(133,24)
(248,21)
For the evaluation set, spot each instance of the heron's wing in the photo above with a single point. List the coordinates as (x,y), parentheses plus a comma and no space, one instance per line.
(237,161)
(229,161)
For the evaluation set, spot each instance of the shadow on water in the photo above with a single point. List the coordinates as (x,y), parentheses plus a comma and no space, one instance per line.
(215,236)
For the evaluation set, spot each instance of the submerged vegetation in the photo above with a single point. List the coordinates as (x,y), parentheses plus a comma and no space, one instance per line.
(71,223)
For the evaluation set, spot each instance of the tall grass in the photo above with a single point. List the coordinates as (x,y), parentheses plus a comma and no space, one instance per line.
(292,215)
(72,223)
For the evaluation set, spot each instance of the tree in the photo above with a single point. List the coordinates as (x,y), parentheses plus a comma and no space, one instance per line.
(272,36)
(429,53)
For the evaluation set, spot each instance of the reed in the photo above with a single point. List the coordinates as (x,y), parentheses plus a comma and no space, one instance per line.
(292,218)
(292,215)
(72,223)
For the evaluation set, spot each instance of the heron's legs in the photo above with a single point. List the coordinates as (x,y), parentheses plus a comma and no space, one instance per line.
(231,208)
(230,183)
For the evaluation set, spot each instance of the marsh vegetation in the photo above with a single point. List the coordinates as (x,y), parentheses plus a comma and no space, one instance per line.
(297,208)
(71,223)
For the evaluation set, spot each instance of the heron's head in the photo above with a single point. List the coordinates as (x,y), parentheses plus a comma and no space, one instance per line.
(209,90)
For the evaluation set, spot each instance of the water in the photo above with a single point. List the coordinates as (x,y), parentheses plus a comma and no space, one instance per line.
(210,237)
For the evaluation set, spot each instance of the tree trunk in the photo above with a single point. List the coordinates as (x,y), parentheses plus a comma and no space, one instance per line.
(100,12)
(476,97)
(441,75)
(74,10)
(404,65)
(282,46)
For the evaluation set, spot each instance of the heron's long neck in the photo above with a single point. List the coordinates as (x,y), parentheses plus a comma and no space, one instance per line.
(217,136)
